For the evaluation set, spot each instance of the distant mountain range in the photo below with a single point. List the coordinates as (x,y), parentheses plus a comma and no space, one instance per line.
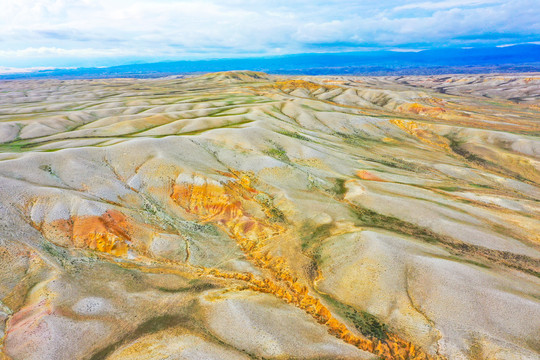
(518,58)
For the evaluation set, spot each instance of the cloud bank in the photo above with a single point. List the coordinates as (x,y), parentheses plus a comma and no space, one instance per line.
(103,32)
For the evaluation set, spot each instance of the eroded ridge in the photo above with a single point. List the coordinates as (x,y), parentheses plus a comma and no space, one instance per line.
(110,233)
(388,195)
(221,204)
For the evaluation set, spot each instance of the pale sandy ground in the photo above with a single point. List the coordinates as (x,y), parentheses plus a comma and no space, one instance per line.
(418,207)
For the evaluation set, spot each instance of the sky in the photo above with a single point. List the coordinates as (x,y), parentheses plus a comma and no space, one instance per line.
(73,33)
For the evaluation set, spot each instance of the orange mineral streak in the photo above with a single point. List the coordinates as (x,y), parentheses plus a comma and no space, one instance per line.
(366,175)
(290,85)
(422,132)
(528,80)
(419,109)
(222,204)
(109,232)
(213,202)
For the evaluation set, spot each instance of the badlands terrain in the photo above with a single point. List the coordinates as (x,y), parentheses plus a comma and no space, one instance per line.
(245,216)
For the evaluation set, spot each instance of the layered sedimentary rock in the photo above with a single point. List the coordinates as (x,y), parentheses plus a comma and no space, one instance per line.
(239,215)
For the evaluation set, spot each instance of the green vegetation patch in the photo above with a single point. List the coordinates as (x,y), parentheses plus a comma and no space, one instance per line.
(311,235)
(482,186)
(294,135)
(311,238)
(517,261)
(448,188)
(457,148)
(275,215)
(49,169)
(278,153)
(195,285)
(399,164)
(55,251)
(334,187)
(374,219)
(356,139)
(153,325)
(469,261)
(339,187)
(366,323)
(14,147)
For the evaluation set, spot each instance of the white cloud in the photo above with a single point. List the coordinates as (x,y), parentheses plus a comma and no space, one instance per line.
(54,51)
(189,29)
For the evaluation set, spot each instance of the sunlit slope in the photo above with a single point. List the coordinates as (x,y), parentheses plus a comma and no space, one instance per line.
(238,215)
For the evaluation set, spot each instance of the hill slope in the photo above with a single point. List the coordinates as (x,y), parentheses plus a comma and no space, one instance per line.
(241,215)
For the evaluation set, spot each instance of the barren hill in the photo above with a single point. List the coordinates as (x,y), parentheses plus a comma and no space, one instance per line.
(241,215)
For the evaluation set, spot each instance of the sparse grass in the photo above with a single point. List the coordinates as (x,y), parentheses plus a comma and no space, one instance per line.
(517,261)
(356,139)
(14,147)
(469,261)
(195,285)
(371,218)
(59,254)
(150,208)
(311,235)
(339,187)
(225,126)
(153,325)
(448,188)
(520,262)
(398,164)
(294,135)
(48,169)
(55,251)
(279,153)
(334,187)
(457,147)
(482,186)
(274,214)
(366,323)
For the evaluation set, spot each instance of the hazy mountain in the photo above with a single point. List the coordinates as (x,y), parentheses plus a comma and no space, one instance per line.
(518,58)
